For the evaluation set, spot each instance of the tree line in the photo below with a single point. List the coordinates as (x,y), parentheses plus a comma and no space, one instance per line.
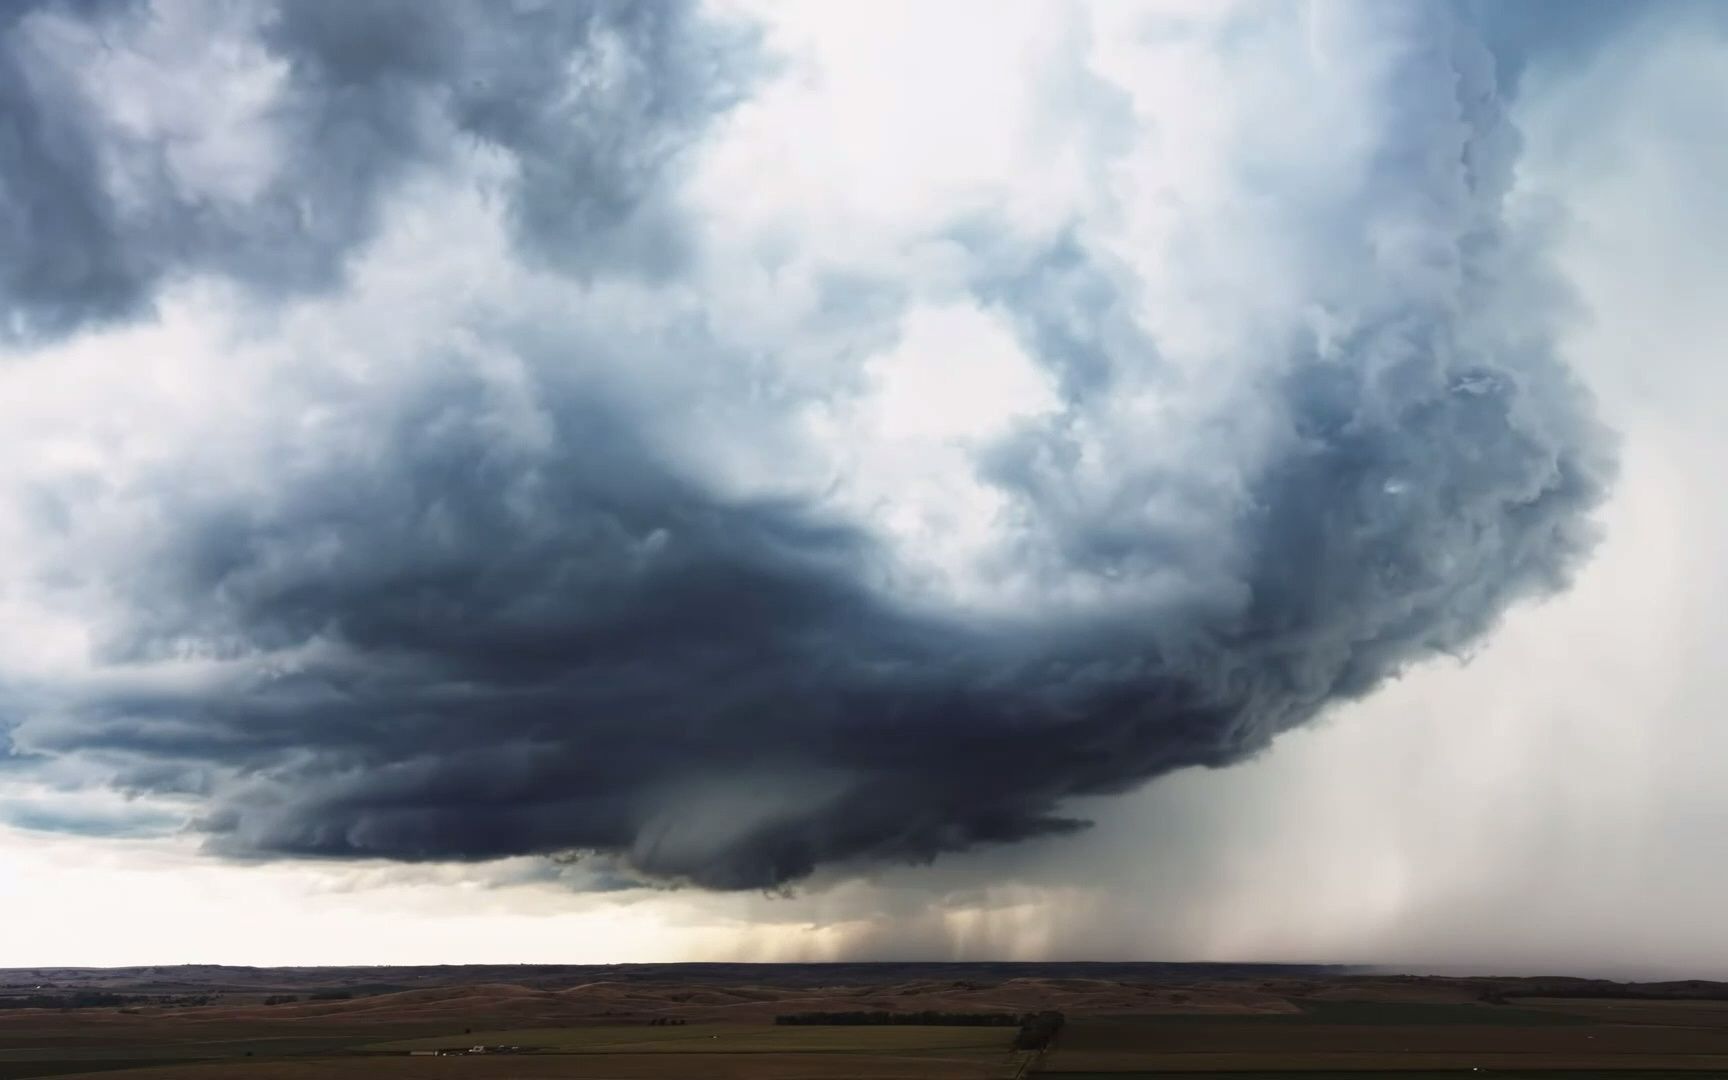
(1039,1030)
(97,999)
(79,999)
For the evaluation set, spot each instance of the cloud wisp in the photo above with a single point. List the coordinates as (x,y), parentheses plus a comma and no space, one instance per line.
(445,459)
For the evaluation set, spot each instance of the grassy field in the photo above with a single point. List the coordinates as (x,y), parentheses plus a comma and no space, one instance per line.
(23,1070)
(1447,1074)
(789,1066)
(728,1039)
(1370,1038)
(552,1067)
(1378,1013)
(623,1052)
(1359,1064)
(1251,1035)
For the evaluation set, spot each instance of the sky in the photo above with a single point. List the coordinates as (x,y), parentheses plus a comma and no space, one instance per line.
(791,481)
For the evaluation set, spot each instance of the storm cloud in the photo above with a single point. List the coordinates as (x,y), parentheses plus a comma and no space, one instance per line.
(586,532)
(119,172)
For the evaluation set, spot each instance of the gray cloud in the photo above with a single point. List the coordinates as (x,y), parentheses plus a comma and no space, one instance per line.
(588,103)
(479,614)
(1569,33)
(100,821)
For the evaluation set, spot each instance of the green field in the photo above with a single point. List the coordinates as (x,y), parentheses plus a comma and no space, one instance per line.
(1371,1013)
(1448,1074)
(24,1070)
(1369,1039)
(710,1050)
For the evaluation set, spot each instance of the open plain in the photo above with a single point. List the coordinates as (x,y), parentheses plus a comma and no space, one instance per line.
(866,1021)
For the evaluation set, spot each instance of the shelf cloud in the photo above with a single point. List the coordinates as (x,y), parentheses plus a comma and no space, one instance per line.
(457,431)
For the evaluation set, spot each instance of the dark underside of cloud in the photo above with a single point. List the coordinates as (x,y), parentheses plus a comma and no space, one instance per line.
(437,642)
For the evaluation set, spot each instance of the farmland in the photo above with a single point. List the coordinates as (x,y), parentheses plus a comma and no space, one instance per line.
(1361,1039)
(717,1050)
(870,1022)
